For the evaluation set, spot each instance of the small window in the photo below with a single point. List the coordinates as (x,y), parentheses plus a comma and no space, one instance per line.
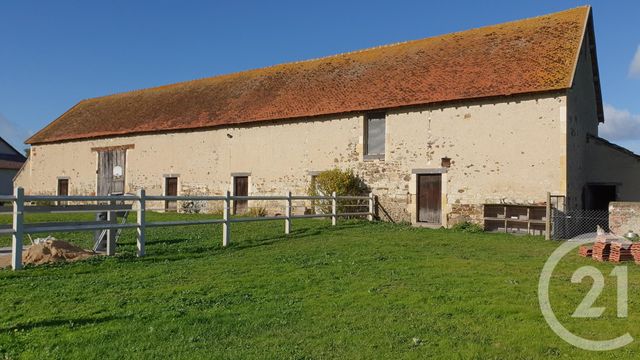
(374,136)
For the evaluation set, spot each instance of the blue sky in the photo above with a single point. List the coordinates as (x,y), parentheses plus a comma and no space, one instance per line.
(56,53)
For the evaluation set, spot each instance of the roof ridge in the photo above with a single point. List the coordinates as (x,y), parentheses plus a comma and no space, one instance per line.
(613,145)
(295,62)
(11,147)
(489,61)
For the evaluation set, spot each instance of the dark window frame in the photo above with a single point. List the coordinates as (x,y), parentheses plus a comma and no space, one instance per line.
(375,115)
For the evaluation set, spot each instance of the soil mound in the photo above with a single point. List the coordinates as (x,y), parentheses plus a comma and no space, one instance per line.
(48,250)
(54,250)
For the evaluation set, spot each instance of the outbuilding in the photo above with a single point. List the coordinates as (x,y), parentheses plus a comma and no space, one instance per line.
(11,160)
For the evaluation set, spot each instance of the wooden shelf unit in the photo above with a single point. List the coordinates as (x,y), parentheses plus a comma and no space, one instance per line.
(519,219)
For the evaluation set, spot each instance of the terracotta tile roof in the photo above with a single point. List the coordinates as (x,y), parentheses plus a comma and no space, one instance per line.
(526,56)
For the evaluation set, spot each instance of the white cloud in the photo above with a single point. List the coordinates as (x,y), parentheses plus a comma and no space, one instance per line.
(619,124)
(12,133)
(634,69)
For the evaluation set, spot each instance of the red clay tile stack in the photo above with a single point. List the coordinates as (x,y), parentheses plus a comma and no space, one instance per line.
(620,251)
(601,251)
(635,252)
(585,251)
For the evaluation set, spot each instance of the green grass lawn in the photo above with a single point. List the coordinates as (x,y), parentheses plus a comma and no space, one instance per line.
(356,291)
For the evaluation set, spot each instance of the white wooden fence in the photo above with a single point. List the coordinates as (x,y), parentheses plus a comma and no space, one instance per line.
(114,204)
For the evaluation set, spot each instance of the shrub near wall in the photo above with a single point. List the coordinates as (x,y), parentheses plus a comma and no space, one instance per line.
(343,183)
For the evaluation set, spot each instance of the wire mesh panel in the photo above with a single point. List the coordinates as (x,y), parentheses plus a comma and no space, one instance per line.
(571,223)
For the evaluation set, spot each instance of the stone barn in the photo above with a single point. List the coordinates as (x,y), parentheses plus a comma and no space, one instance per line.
(437,127)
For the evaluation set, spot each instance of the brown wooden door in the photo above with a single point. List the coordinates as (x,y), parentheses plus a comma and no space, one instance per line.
(63,189)
(171,189)
(240,188)
(429,198)
(111,171)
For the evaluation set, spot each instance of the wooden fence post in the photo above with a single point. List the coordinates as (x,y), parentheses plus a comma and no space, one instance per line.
(547,223)
(287,221)
(334,209)
(371,206)
(112,218)
(225,216)
(18,227)
(141,221)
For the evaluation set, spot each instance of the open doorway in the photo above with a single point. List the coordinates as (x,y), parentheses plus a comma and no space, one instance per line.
(598,196)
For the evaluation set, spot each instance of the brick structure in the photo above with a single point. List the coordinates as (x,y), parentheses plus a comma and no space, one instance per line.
(624,216)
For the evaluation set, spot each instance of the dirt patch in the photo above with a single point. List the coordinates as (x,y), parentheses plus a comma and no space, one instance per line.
(48,252)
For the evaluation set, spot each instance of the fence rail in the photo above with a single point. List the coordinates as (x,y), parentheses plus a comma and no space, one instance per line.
(114,204)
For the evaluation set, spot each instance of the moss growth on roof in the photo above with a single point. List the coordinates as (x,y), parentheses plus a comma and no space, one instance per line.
(525,56)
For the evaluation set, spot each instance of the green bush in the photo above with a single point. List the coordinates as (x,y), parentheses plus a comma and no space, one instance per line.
(343,183)
(467,227)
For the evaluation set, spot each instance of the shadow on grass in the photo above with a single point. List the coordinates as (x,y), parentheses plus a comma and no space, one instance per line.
(200,251)
(72,322)
(166,242)
(295,234)
(177,249)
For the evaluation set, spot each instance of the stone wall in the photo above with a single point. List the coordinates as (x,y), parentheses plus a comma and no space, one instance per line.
(507,150)
(581,120)
(466,213)
(624,216)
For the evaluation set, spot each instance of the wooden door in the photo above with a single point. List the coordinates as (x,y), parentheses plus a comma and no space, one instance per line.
(429,198)
(171,189)
(111,171)
(63,189)
(240,188)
